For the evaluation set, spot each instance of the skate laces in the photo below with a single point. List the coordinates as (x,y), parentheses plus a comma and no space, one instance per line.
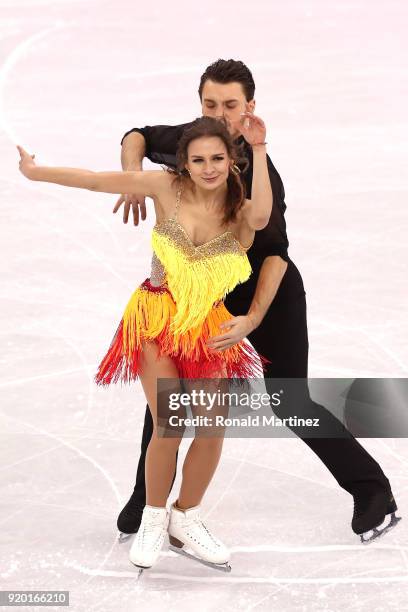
(197,522)
(151,526)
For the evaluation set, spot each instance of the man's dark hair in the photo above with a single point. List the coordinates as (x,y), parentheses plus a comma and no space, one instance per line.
(229,71)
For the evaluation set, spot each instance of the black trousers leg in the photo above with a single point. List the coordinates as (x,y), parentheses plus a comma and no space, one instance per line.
(283,339)
(349,463)
(140,486)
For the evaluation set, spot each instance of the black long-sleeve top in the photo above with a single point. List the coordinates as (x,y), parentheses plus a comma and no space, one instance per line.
(161,145)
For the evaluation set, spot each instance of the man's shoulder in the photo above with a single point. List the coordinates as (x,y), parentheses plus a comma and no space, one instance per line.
(177,129)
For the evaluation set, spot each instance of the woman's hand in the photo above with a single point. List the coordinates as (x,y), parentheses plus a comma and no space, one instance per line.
(26,163)
(252,128)
(240,327)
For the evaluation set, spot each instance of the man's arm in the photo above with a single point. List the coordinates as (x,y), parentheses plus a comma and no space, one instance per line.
(158,143)
(133,151)
(131,157)
(270,277)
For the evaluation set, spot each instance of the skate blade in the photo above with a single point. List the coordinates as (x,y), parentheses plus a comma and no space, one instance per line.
(223,567)
(141,570)
(124,537)
(377,532)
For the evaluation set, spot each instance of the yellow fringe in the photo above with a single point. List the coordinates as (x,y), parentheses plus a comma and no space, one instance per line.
(196,284)
(149,314)
(146,315)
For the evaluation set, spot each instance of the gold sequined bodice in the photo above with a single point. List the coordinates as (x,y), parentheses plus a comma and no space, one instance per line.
(223,243)
(170,228)
(197,276)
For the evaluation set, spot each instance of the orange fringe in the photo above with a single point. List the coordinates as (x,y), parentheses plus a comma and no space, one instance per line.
(148,316)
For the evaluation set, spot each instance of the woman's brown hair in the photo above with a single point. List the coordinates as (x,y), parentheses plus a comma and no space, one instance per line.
(208,126)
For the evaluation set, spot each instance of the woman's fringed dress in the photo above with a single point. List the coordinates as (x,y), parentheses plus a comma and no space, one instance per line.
(180,307)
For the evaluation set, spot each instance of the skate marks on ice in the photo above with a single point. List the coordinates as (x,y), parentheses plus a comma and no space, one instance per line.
(203,576)
(360,577)
(94,463)
(223,567)
(231,578)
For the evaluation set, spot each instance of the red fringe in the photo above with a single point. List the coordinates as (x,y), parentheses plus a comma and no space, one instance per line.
(115,365)
(240,361)
(248,364)
(153,288)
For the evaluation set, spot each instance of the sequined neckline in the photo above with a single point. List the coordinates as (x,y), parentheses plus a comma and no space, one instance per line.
(204,244)
(198,246)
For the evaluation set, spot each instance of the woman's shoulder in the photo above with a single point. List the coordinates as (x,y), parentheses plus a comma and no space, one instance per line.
(169,183)
(169,179)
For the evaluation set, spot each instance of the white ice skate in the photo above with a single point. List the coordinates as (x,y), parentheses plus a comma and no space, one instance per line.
(149,539)
(187,529)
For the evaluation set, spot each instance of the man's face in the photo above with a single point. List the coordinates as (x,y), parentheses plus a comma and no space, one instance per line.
(225,100)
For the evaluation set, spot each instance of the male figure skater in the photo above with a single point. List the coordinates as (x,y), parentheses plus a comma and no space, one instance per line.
(269,309)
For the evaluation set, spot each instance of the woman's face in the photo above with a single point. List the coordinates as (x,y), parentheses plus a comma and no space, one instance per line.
(208,162)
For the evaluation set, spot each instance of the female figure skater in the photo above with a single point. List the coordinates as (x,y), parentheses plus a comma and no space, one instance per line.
(204,226)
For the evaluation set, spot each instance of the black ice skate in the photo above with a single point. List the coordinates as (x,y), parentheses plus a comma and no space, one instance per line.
(130,517)
(374,515)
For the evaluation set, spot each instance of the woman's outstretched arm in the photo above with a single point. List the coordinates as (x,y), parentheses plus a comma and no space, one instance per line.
(147,183)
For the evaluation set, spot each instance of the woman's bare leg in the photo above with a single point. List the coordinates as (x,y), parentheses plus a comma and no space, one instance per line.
(160,462)
(198,469)
(204,453)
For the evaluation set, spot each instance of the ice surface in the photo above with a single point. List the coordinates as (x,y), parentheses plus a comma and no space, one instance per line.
(332,88)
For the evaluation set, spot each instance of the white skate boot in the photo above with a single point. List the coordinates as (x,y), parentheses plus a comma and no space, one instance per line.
(149,539)
(187,529)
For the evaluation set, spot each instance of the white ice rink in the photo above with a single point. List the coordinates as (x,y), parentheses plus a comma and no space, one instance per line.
(332,88)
